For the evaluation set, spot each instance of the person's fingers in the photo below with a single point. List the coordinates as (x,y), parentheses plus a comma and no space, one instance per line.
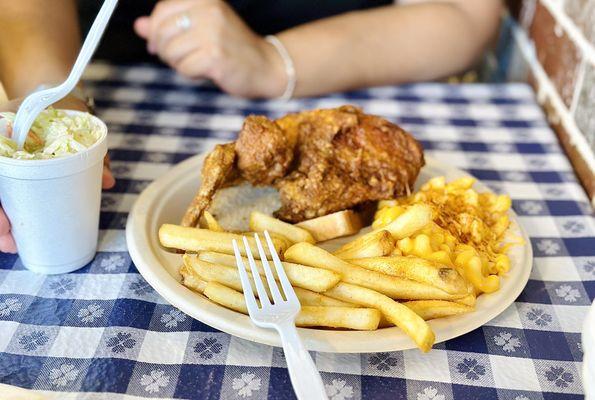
(7,244)
(4,223)
(107,180)
(11,105)
(179,47)
(195,65)
(163,10)
(142,26)
(168,30)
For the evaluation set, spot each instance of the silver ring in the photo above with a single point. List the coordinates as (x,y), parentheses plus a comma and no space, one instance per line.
(183,22)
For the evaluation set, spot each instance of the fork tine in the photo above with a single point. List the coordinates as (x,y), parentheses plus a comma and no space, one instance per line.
(246,285)
(268,272)
(287,288)
(262,293)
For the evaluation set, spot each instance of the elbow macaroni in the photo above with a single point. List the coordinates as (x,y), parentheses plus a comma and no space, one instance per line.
(467,233)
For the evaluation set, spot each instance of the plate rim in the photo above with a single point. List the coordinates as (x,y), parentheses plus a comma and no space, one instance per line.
(138,239)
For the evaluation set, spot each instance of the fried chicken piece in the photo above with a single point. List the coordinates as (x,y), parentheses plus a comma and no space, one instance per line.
(356,158)
(217,169)
(263,150)
(321,161)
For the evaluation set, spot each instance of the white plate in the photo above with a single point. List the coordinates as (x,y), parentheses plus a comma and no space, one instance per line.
(165,200)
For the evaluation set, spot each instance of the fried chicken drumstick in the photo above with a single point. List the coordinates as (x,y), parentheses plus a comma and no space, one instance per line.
(321,161)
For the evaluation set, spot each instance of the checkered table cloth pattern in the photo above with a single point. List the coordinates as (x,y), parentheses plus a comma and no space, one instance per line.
(104,333)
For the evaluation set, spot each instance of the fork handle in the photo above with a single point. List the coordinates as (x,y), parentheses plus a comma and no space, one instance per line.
(305,378)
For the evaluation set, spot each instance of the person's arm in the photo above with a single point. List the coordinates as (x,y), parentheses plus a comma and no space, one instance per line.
(39,41)
(389,45)
(411,41)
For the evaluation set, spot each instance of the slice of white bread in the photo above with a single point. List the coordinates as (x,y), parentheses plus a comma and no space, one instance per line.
(338,224)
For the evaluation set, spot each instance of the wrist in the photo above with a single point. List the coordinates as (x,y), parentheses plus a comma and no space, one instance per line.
(274,74)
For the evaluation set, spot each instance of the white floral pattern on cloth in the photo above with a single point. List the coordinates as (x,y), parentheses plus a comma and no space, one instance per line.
(10,305)
(559,376)
(531,207)
(121,342)
(568,293)
(502,147)
(430,393)
(539,316)
(140,287)
(34,340)
(383,361)
(589,267)
(471,369)
(154,381)
(447,146)
(63,375)
(62,286)
(549,247)
(172,318)
(208,347)
(573,226)
(521,397)
(515,176)
(246,384)
(339,390)
(112,262)
(507,341)
(90,313)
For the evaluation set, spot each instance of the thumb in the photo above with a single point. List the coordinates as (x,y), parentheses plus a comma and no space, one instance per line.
(142,26)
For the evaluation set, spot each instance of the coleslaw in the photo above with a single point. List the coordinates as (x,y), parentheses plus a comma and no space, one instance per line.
(53,134)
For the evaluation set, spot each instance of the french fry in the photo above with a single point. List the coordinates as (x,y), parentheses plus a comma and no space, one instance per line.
(191,280)
(468,300)
(206,271)
(315,279)
(430,309)
(411,323)
(210,222)
(226,297)
(396,288)
(333,317)
(362,319)
(412,220)
(196,239)
(310,298)
(260,222)
(417,269)
(376,244)
(338,224)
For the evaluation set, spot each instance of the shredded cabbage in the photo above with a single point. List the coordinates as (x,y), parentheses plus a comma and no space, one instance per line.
(53,134)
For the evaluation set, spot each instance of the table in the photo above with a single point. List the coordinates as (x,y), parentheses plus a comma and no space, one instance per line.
(104,333)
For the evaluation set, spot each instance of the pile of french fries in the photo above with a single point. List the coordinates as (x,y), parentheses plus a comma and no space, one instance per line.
(404,272)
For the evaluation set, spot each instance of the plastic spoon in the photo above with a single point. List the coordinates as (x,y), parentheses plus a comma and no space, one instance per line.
(38,101)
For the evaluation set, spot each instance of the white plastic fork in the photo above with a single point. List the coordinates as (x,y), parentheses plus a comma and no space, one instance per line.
(279,314)
(37,101)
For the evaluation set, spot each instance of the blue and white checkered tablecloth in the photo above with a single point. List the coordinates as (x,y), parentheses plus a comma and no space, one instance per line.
(104,333)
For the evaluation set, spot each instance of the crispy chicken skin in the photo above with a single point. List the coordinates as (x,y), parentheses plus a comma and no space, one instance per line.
(321,161)
(216,171)
(263,151)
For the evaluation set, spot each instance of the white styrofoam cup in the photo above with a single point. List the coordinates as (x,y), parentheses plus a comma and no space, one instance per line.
(53,206)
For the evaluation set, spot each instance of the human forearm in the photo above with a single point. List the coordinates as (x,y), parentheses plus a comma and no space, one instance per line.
(38,43)
(389,45)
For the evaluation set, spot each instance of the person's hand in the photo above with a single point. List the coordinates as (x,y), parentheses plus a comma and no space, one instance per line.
(7,243)
(216,45)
